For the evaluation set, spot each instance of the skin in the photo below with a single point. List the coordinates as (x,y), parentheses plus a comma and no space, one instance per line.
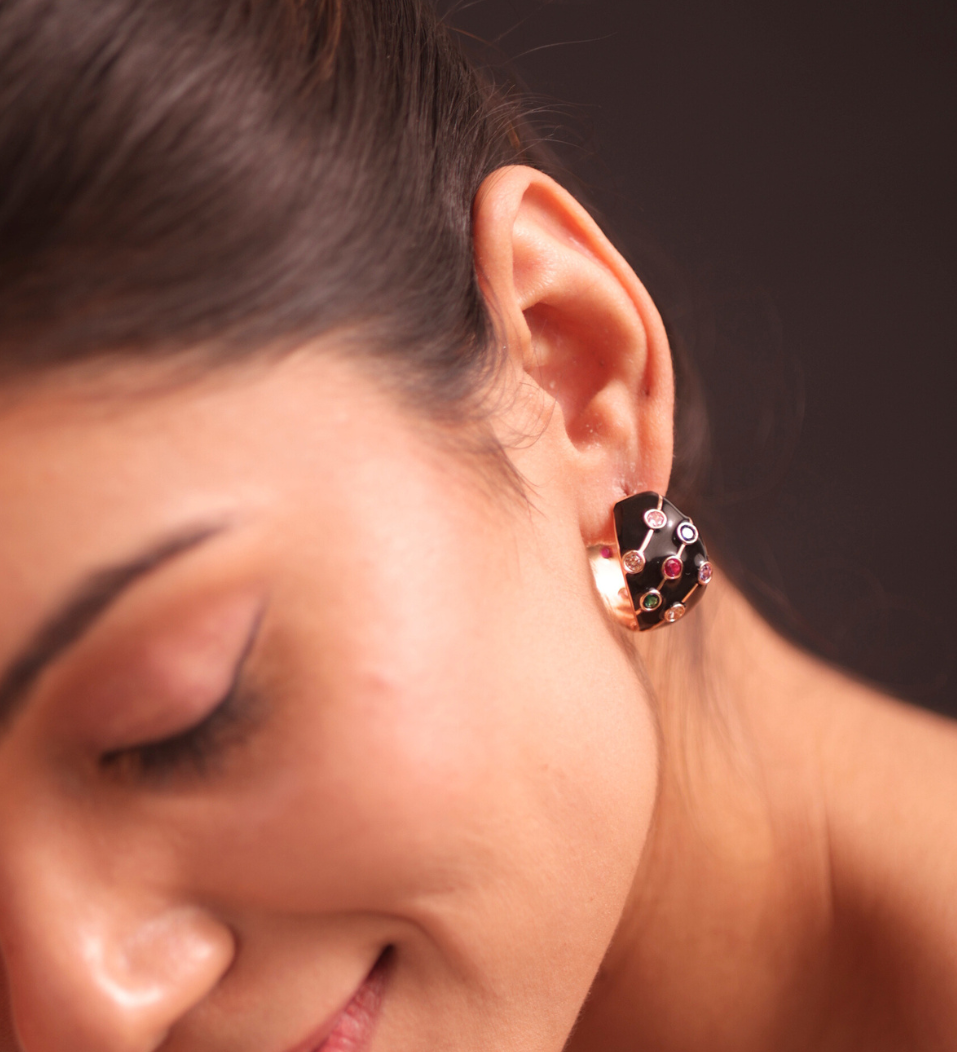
(446,745)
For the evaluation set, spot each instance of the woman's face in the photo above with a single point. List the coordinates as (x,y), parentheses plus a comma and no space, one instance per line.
(430,740)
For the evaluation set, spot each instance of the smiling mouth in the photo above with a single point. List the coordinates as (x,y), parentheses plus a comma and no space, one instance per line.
(353,1027)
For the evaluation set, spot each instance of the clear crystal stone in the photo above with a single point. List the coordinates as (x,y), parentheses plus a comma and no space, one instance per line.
(633,561)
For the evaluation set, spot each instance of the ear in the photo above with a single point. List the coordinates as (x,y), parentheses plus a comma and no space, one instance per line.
(583,335)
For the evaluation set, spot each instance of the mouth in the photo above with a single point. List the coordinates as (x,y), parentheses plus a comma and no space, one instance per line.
(351,1030)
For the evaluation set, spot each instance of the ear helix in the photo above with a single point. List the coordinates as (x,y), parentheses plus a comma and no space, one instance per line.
(662,559)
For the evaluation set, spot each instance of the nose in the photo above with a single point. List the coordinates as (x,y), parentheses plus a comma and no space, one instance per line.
(94,969)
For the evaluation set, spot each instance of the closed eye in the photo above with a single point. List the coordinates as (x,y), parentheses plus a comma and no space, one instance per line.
(197,748)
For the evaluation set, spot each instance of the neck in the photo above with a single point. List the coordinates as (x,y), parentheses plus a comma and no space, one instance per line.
(725,940)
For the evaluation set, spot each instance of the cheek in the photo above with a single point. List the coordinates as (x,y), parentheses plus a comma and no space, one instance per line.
(452,767)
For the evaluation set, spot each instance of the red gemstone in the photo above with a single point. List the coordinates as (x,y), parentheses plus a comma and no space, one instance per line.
(606,552)
(673,567)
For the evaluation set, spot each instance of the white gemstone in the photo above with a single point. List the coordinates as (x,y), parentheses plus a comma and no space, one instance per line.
(688,532)
(673,613)
(634,562)
(655,518)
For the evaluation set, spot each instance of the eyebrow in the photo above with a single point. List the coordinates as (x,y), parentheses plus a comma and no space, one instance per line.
(82,608)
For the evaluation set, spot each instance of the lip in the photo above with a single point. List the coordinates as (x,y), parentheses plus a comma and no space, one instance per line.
(351,1029)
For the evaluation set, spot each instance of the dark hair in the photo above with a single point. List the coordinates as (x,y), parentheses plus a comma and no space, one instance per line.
(237,174)
(229,176)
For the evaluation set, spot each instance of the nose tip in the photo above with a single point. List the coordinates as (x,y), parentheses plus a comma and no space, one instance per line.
(101,989)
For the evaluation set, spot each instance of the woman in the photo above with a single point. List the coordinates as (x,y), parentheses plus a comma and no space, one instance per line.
(317,733)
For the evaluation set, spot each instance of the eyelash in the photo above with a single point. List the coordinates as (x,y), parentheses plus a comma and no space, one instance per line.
(192,750)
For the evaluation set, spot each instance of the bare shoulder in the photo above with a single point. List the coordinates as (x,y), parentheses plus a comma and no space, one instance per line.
(890,772)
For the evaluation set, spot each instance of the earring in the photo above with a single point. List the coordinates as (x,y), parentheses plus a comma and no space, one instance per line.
(665,564)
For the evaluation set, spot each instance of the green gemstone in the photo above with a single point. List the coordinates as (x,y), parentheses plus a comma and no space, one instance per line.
(651,602)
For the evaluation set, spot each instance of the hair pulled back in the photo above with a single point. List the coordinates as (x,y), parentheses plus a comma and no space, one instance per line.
(238,174)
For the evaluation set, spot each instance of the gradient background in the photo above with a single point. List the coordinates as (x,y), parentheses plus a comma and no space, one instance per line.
(783,177)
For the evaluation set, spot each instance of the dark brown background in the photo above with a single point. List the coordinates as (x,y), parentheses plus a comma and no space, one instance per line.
(783,176)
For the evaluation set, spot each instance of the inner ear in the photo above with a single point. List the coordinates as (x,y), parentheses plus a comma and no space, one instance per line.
(568,364)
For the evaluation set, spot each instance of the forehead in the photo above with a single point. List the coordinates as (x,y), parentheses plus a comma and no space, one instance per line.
(110,449)
(66,438)
(90,471)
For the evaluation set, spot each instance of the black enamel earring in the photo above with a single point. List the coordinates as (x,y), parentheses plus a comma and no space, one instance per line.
(665,564)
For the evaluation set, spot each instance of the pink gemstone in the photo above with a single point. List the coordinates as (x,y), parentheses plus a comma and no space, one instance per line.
(704,573)
(655,518)
(673,567)
(606,552)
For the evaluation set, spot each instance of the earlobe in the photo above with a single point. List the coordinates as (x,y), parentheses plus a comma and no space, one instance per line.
(580,326)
